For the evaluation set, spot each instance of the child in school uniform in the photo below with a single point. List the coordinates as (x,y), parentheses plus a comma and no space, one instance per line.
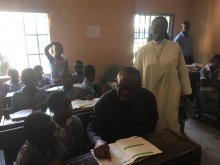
(12,85)
(42,145)
(87,86)
(73,92)
(57,61)
(68,126)
(29,97)
(210,83)
(42,81)
(78,75)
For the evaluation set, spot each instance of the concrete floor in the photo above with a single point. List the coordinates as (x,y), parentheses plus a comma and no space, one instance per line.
(204,135)
(207,137)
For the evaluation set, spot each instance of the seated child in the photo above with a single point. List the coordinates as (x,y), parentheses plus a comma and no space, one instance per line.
(57,61)
(68,126)
(78,76)
(42,145)
(73,92)
(87,86)
(29,97)
(12,85)
(42,81)
(210,83)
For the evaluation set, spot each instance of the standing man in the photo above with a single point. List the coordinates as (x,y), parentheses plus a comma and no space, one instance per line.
(185,42)
(164,73)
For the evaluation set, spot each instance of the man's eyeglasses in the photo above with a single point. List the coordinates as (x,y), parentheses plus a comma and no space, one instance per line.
(122,88)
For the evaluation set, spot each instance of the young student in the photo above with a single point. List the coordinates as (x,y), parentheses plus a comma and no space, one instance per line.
(68,126)
(42,145)
(42,81)
(29,97)
(78,76)
(12,85)
(57,60)
(87,86)
(210,83)
(73,92)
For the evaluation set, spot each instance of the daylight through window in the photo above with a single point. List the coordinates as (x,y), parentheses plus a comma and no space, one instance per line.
(23,37)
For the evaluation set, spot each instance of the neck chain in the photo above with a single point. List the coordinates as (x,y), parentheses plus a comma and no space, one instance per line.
(158,54)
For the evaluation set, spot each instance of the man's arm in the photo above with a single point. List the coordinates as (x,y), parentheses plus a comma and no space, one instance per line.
(101,147)
(177,39)
(153,113)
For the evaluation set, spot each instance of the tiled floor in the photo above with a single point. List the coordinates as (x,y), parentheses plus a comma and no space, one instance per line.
(202,134)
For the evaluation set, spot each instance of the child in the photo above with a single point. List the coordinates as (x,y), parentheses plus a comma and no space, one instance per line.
(29,97)
(42,81)
(42,146)
(57,60)
(78,76)
(87,86)
(73,92)
(68,126)
(12,85)
(210,81)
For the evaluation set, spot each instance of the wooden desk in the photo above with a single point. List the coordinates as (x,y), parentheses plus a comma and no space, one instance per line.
(176,151)
(7,123)
(12,134)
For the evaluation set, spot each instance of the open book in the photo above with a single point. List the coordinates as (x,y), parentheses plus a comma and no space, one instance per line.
(83,103)
(21,115)
(129,150)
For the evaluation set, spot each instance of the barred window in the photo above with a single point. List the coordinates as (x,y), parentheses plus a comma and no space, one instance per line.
(142,33)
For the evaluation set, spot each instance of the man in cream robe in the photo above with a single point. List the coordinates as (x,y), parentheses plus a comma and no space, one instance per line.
(161,63)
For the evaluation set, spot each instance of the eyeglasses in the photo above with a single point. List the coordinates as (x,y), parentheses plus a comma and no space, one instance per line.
(122,88)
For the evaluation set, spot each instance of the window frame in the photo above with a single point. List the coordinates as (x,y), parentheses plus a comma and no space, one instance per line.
(26,56)
(137,45)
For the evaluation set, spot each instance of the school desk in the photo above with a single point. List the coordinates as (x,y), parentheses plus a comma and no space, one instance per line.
(176,150)
(12,135)
(82,112)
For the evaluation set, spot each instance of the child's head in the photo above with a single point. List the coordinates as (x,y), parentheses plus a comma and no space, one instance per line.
(185,26)
(38,71)
(215,61)
(40,130)
(57,48)
(78,66)
(89,72)
(60,104)
(28,77)
(66,79)
(13,73)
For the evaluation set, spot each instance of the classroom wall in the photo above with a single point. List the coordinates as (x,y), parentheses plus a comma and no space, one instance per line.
(69,19)
(205,27)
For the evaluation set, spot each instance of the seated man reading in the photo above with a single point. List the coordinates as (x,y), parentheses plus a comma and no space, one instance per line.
(129,110)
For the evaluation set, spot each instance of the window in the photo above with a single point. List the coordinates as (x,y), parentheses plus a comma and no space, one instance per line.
(142,23)
(23,37)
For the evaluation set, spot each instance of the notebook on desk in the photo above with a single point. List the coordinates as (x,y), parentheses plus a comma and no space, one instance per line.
(57,88)
(83,103)
(10,94)
(20,115)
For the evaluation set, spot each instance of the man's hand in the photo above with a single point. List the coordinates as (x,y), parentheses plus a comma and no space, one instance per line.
(101,150)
